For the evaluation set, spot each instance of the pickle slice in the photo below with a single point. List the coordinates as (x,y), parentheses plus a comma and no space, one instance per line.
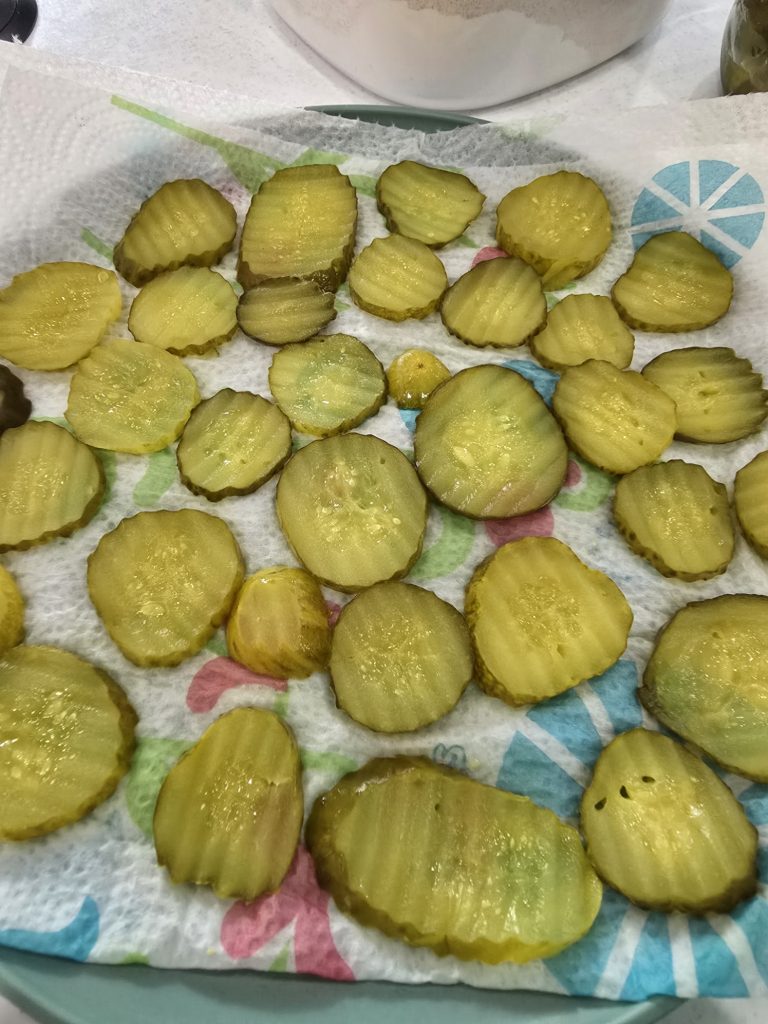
(11,612)
(719,396)
(232,444)
(426,203)
(401,658)
(186,311)
(581,327)
(706,680)
(353,510)
(230,810)
(673,284)
(52,316)
(279,624)
(184,222)
(542,621)
(301,223)
(397,278)
(750,496)
(487,446)
(66,739)
(664,830)
(283,312)
(163,581)
(413,376)
(431,857)
(50,485)
(559,223)
(677,517)
(615,419)
(498,302)
(130,397)
(15,407)
(327,385)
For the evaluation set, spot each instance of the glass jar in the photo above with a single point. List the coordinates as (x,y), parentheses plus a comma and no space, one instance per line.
(744,57)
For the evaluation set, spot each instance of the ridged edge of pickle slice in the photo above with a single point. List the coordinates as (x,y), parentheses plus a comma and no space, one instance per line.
(11,612)
(397,278)
(580,327)
(424,202)
(750,499)
(287,298)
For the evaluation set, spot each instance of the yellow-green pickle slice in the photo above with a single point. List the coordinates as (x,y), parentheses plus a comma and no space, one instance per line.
(279,624)
(677,517)
(232,444)
(542,621)
(353,510)
(664,830)
(432,858)
(229,812)
(413,376)
(163,581)
(400,659)
(66,739)
(581,327)
(750,496)
(282,312)
(50,485)
(397,278)
(183,222)
(11,612)
(487,446)
(427,203)
(706,680)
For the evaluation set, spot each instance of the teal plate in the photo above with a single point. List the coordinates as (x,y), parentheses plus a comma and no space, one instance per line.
(61,992)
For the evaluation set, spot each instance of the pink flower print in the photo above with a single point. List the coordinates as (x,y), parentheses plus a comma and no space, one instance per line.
(490,252)
(222,674)
(536,524)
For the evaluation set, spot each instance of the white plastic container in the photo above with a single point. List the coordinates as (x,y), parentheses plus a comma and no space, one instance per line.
(467,54)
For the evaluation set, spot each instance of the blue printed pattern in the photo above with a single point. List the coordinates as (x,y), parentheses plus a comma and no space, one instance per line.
(75,941)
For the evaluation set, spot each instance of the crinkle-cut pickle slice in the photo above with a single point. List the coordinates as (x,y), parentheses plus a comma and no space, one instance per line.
(498,302)
(233,443)
(397,278)
(301,223)
(432,858)
(279,624)
(581,327)
(66,739)
(427,203)
(542,621)
(677,517)
(15,407)
(282,312)
(664,830)
(11,612)
(186,222)
(353,510)
(130,397)
(229,812)
(401,658)
(186,311)
(615,419)
(706,680)
(559,223)
(750,496)
(327,385)
(50,485)
(52,316)
(673,284)
(719,396)
(413,376)
(163,581)
(487,446)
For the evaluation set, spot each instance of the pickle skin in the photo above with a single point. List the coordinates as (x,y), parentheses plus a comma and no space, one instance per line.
(11,612)
(755,535)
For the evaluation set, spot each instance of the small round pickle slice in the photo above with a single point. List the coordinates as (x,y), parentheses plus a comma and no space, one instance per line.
(719,396)
(279,624)
(664,830)
(15,407)
(542,621)
(429,204)
(130,397)
(353,510)
(327,385)
(397,278)
(413,376)
(282,312)
(66,740)
(487,446)
(232,444)
(162,582)
(673,284)
(615,419)
(750,496)
(230,810)
(11,612)
(432,858)
(400,659)
(581,327)
(559,223)
(677,517)
(706,680)
(498,302)
(186,311)
(50,485)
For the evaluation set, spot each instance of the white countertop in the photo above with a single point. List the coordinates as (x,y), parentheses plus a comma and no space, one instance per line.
(240,45)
